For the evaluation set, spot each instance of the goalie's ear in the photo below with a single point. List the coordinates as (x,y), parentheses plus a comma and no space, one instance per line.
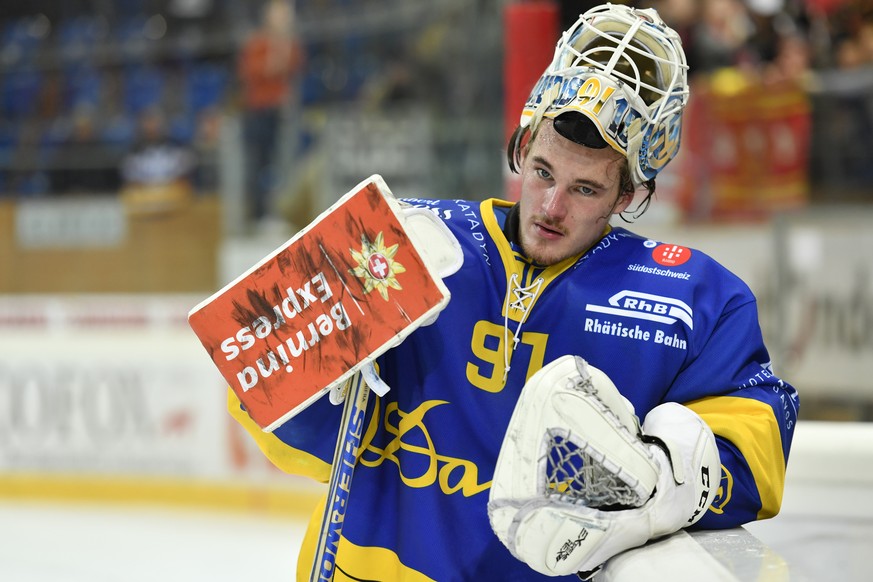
(434,241)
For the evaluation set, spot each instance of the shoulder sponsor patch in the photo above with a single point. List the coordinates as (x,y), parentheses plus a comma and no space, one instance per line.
(670,255)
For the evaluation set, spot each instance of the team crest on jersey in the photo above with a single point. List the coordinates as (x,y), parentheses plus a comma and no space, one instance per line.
(725,490)
(376,265)
(637,305)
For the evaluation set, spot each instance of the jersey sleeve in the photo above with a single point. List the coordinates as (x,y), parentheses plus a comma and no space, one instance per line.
(302,446)
(751,411)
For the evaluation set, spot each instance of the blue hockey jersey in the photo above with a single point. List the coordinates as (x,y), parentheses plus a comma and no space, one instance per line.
(664,322)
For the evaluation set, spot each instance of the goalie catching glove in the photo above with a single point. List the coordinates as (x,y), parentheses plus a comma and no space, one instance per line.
(578,481)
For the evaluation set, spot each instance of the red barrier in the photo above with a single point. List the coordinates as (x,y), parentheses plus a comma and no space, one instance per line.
(529,38)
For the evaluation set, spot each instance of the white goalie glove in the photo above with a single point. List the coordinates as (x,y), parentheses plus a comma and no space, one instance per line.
(578,480)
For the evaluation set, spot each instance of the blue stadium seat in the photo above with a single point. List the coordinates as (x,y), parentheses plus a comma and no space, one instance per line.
(119,130)
(183,128)
(312,88)
(129,34)
(8,141)
(79,38)
(20,92)
(17,43)
(34,184)
(143,87)
(82,86)
(207,84)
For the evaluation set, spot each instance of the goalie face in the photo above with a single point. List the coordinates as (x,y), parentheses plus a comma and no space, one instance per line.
(625,70)
(568,194)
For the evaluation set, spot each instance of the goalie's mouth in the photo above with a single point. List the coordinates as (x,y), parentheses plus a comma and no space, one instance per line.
(546,231)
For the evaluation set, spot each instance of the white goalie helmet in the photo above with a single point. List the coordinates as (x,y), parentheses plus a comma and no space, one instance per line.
(625,70)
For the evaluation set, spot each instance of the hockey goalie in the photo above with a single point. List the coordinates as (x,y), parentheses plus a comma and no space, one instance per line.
(569,390)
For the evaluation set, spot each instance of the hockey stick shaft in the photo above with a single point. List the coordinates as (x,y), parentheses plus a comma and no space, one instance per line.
(345,456)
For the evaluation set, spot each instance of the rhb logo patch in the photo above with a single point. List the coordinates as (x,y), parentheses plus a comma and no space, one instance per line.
(637,305)
(671,255)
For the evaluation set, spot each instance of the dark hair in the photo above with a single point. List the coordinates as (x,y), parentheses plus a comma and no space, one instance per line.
(522,137)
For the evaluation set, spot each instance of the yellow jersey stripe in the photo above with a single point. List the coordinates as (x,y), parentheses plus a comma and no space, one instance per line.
(752,427)
(286,458)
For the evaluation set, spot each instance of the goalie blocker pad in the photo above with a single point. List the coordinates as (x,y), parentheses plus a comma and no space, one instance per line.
(341,292)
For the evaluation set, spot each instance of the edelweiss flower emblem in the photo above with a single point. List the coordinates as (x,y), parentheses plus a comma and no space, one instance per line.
(376,265)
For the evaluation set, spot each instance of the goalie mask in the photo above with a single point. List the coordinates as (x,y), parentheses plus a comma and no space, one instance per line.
(625,71)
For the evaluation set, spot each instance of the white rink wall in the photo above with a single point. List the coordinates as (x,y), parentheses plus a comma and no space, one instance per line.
(113,397)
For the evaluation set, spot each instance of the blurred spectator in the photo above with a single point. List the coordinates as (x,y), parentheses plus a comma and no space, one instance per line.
(206,143)
(83,163)
(270,61)
(719,39)
(865,38)
(851,30)
(397,85)
(791,62)
(849,54)
(682,15)
(157,169)
(407,78)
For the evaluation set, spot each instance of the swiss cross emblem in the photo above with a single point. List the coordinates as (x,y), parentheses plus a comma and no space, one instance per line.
(376,265)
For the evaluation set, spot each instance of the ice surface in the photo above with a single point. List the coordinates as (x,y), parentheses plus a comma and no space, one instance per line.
(85,543)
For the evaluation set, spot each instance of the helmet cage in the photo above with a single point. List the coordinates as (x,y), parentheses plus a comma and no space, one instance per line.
(625,70)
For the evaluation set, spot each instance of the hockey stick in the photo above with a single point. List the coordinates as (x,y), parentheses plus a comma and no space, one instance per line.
(344,458)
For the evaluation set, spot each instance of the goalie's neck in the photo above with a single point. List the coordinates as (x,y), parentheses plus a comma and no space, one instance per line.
(510,220)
